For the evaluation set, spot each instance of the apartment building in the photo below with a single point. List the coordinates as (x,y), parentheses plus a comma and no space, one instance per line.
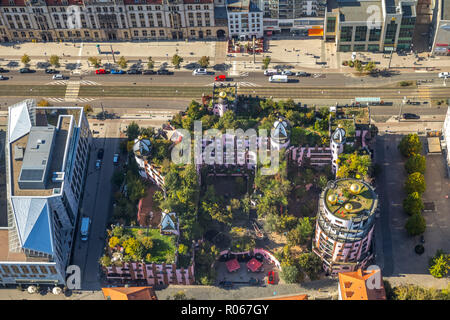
(345,225)
(370,25)
(293,16)
(245,19)
(46,152)
(441,28)
(103,20)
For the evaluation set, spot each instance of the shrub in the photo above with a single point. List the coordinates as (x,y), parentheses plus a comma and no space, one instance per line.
(410,145)
(413,204)
(415,183)
(290,274)
(439,264)
(415,163)
(415,225)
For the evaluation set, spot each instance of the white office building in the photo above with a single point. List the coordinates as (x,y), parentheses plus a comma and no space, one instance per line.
(245,20)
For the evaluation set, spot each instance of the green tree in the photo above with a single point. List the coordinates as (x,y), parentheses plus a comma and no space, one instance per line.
(410,144)
(311,264)
(122,62)
(113,242)
(105,261)
(96,62)
(25,60)
(302,233)
(54,60)
(88,109)
(370,67)
(177,60)
(147,242)
(352,164)
(290,274)
(266,62)
(415,163)
(150,63)
(323,181)
(440,264)
(413,204)
(204,62)
(415,183)
(415,225)
(132,247)
(132,131)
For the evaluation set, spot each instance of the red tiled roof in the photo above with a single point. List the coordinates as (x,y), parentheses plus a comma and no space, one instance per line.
(294,297)
(353,286)
(133,293)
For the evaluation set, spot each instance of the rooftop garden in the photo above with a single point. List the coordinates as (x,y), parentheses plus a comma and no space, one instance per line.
(349,198)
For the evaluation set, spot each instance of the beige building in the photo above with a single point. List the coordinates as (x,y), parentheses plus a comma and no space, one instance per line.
(102,20)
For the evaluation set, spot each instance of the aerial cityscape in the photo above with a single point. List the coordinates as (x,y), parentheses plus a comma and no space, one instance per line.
(221,150)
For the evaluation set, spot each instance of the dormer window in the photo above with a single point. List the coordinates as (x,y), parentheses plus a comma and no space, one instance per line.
(12,3)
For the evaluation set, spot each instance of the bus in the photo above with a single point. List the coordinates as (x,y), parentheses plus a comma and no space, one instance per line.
(278,78)
(84,230)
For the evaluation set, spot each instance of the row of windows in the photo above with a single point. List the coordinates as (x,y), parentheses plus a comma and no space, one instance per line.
(7,270)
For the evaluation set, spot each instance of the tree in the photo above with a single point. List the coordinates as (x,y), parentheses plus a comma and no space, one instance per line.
(54,61)
(105,261)
(122,62)
(132,131)
(352,164)
(150,63)
(311,264)
(415,163)
(25,60)
(410,144)
(204,62)
(147,242)
(87,109)
(370,67)
(266,62)
(323,181)
(413,204)
(43,103)
(440,264)
(415,183)
(177,60)
(183,249)
(96,62)
(415,225)
(113,242)
(290,274)
(132,247)
(301,234)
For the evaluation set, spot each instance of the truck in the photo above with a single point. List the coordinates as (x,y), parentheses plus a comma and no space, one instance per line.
(84,230)
(278,78)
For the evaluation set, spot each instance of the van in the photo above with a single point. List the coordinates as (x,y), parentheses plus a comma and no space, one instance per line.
(278,78)
(58,76)
(270,72)
(84,230)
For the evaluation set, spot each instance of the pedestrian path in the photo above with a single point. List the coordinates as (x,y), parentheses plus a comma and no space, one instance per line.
(59,100)
(73,87)
(65,82)
(239,84)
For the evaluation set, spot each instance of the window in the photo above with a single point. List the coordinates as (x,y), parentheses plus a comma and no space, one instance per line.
(192,32)
(153,33)
(375,34)
(161,33)
(52,270)
(144,33)
(208,32)
(331,24)
(86,34)
(360,33)
(15,269)
(136,33)
(125,35)
(346,33)
(34,269)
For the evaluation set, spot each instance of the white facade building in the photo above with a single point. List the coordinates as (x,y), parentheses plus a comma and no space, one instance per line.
(245,20)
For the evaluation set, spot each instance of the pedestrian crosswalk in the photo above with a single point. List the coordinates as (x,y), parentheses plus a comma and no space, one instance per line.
(58,100)
(82,82)
(239,84)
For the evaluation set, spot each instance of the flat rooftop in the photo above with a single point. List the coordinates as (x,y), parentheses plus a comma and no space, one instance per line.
(345,204)
(356,11)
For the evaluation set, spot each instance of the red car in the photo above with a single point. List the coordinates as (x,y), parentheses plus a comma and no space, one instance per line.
(271,277)
(100,71)
(220,78)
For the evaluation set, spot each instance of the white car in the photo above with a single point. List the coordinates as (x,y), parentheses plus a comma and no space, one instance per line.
(287,73)
(444,74)
(58,76)
(200,71)
(2,77)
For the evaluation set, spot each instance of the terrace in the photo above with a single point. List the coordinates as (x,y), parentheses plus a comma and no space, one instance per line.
(349,199)
(164,246)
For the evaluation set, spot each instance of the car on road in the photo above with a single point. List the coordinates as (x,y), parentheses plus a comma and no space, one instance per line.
(116,159)
(114,71)
(444,74)
(134,71)
(302,74)
(271,277)
(58,76)
(147,72)
(270,72)
(25,70)
(164,72)
(287,73)
(84,229)
(220,78)
(100,153)
(411,116)
(98,164)
(3,70)
(2,77)
(278,79)
(199,72)
(100,71)
(51,71)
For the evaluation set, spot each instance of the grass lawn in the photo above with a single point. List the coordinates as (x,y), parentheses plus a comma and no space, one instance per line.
(164,247)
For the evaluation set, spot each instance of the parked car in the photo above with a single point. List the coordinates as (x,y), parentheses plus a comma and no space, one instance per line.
(3,70)
(51,71)
(134,71)
(270,72)
(271,277)
(98,164)
(410,116)
(100,153)
(149,72)
(116,158)
(25,70)
(100,71)
(58,76)
(287,73)
(303,74)
(164,72)
(220,78)
(444,74)
(2,77)
(114,71)
(200,71)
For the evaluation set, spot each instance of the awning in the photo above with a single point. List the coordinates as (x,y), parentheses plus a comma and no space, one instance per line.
(232,265)
(254,265)
(314,32)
